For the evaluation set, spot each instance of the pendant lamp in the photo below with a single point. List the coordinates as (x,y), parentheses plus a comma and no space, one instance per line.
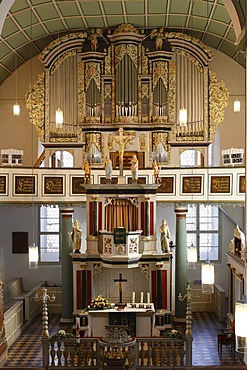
(207,277)
(183,117)
(59,118)
(192,256)
(33,254)
(236,106)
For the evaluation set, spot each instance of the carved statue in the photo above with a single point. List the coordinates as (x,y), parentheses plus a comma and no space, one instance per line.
(76,235)
(134,167)
(108,167)
(93,36)
(156,168)
(159,36)
(164,236)
(122,140)
(86,168)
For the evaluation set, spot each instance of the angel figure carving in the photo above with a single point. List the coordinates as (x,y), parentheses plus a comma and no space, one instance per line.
(93,37)
(159,36)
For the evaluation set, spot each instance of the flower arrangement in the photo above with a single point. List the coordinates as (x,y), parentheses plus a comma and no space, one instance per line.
(173,333)
(115,353)
(99,303)
(62,334)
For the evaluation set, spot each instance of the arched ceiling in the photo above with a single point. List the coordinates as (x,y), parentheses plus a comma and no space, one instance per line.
(27,26)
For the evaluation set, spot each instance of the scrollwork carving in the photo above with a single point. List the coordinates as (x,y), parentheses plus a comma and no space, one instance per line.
(97,268)
(218,100)
(160,71)
(35,103)
(126,28)
(92,71)
(130,50)
(144,267)
(172,91)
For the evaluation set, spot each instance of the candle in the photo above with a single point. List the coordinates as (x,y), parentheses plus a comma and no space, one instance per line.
(133,297)
(77,321)
(148,298)
(141,300)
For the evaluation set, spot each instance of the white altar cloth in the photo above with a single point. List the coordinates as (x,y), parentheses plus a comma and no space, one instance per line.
(98,319)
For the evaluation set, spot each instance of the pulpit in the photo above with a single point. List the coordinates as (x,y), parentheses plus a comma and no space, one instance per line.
(121,244)
(140,320)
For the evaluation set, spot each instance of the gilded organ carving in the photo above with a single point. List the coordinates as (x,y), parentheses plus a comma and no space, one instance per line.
(127,77)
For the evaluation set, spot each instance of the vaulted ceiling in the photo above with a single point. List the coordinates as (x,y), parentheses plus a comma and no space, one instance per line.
(27,26)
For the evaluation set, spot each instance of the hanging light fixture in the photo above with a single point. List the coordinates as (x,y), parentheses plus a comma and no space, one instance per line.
(183,117)
(59,112)
(33,256)
(236,106)
(59,118)
(16,106)
(207,277)
(192,256)
(16,109)
(33,250)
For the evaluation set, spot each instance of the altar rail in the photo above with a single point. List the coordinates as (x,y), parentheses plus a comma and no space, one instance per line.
(143,353)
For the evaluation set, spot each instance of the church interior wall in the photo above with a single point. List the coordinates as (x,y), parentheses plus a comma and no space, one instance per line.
(231,130)
(20,219)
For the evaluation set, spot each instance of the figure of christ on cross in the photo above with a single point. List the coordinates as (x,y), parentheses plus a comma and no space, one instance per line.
(122,140)
(120,280)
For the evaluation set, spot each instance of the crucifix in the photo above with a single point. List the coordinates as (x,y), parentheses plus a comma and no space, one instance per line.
(120,280)
(122,140)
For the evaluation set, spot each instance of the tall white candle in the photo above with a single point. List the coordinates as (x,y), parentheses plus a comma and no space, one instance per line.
(133,297)
(77,321)
(148,298)
(141,300)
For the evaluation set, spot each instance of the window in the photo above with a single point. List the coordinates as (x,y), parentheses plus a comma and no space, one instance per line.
(202,224)
(49,234)
(190,158)
(63,159)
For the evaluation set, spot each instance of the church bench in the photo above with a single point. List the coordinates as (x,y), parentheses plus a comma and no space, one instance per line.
(209,302)
(20,307)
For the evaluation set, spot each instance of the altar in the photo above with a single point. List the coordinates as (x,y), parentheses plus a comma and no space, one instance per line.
(139,320)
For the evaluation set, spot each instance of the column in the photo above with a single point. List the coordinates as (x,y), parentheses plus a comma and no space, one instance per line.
(67,268)
(147,217)
(93,224)
(95,217)
(181,261)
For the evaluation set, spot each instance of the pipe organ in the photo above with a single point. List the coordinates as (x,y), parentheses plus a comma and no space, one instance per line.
(106,79)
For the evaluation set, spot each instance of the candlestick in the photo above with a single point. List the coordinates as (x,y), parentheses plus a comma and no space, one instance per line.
(133,297)
(141,300)
(148,298)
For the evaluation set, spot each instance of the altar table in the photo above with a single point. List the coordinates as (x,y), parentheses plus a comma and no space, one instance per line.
(144,320)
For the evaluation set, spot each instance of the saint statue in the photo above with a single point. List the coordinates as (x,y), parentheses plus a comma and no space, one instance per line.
(108,167)
(76,234)
(156,168)
(86,168)
(164,236)
(134,167)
